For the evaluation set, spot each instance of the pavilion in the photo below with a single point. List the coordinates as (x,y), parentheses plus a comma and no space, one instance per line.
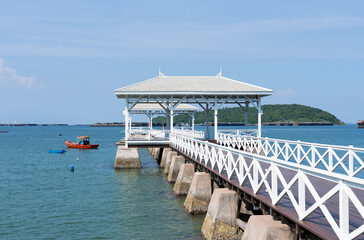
(208,92)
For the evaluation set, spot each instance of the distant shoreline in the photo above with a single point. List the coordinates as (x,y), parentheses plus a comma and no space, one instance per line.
(29,124)
(145,124)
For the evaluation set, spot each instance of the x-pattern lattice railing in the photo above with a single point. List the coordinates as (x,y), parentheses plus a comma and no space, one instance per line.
(190,133)
(331,158)
(248,168)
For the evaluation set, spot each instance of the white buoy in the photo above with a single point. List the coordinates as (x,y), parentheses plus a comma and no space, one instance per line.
(78,159)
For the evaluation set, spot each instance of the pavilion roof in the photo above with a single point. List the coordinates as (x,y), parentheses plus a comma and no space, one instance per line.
(157,107)
(191,85)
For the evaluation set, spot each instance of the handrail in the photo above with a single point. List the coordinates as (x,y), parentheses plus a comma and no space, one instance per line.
(247,166)
(332,158)
(242,132)
(190,133)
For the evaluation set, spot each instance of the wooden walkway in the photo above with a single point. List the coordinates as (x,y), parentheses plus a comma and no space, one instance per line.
(316,222)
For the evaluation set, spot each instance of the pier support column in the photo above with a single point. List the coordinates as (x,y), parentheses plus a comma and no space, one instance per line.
(174,168)
(220,220)
(261,227)
(164,157)
(199,194)
(169,157)
(127,158)
(184,179)
(156,152)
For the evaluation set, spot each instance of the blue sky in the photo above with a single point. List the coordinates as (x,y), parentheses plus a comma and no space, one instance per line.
(60,61)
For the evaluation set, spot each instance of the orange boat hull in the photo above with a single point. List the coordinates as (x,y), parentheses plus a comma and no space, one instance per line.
(75,145)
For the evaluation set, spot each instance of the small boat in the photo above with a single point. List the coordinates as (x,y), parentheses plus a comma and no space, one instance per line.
(82,142)
(56,151)
(361,124)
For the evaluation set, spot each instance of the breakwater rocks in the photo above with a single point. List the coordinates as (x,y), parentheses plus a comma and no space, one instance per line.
(227,216)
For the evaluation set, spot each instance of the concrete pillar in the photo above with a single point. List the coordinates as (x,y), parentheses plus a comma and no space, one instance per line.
(261,227)
(164,157)
(127,158)
(152,151)
(199,194)
(156,152)
(184,179)
(174,168)
(170,155)
(220,220)
(244,210)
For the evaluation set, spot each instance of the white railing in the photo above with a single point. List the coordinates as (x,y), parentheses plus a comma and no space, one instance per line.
(159,133)
(147,133)
(248,167)
(336,159)
(138,131)
(190,133)
(239,132)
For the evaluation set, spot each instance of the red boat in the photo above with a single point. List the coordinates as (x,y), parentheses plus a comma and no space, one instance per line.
(82,142)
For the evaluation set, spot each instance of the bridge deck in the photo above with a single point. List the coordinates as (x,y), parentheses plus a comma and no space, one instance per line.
(315,223)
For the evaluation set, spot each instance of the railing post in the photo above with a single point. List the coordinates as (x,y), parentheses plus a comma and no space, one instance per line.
(301,195)
(351,160)
(344,211)
(255,175)
(330,158)
(298,151)
(274,179)
(275,149)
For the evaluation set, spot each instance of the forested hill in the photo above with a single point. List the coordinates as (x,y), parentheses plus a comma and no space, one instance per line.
(271,114)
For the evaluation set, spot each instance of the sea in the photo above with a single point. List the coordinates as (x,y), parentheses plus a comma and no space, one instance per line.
(40,198)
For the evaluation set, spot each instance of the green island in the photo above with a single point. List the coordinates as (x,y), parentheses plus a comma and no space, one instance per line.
(272,113)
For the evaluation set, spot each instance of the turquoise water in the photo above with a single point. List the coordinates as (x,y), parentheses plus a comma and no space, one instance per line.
(41,199)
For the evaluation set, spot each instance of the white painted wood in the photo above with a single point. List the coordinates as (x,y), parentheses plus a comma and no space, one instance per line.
(221,156)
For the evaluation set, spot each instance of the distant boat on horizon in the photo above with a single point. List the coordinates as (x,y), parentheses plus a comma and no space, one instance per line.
(360,124)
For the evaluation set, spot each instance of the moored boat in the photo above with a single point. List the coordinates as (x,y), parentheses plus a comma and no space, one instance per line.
(83,142)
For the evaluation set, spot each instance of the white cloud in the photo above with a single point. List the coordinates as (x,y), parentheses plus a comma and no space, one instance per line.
(10,75)
(294,25)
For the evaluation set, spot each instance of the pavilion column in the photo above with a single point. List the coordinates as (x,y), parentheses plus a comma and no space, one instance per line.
(246,114)
(207,121)
(150,125)
(126,125)
(260,112)
(171,119)
(215,124)
(193,121)
(168,120)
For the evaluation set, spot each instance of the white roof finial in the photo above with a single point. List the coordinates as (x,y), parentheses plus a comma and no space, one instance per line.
(220,73)
(160,72)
